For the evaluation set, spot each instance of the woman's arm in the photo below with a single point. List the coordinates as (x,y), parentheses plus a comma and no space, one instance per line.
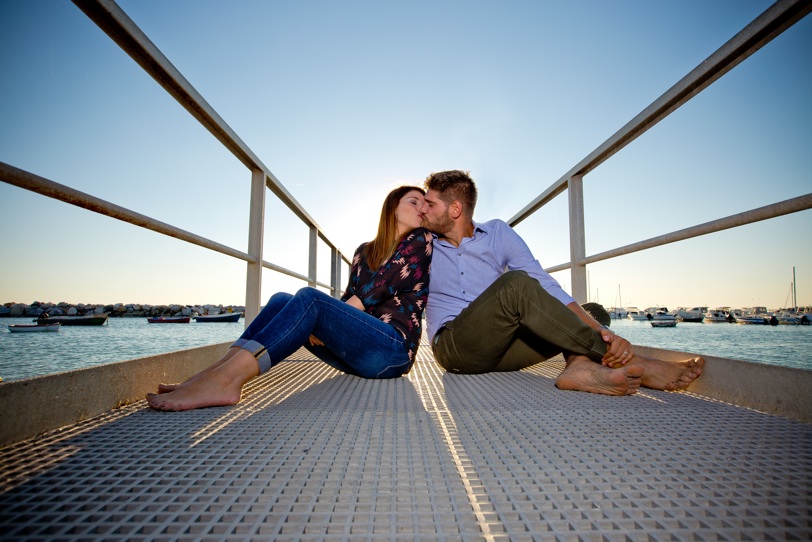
(352,281)
(355,302)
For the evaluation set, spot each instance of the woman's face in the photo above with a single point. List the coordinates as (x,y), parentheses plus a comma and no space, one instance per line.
(409,212)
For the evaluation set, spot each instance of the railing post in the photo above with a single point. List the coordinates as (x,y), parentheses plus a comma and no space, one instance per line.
(577,238)
(312,271)
(256,224)
(335,273)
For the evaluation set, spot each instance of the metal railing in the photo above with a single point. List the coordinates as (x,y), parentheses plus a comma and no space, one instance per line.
(122,30)
(767,26)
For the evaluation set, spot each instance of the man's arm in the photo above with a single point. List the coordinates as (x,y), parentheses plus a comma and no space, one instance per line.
(518,256)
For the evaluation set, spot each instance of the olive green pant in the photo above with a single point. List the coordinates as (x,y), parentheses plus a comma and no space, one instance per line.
(513,324)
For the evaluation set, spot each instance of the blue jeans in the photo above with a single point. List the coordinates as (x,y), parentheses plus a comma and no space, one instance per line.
(355,342)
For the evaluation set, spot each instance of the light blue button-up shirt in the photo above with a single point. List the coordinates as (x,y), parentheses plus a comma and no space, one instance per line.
(460,274)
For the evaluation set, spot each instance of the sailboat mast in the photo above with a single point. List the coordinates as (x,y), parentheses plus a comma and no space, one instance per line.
(794,293)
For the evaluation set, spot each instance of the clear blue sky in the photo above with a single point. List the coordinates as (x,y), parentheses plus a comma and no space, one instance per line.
(345,100)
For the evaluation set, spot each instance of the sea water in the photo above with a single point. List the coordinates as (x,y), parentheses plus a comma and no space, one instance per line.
(24,355)
(787,346)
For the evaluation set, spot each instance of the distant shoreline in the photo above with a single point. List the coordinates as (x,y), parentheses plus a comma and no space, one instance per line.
(113,310)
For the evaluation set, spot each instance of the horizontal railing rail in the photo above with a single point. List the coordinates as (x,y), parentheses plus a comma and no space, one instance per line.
(775,20)
(794,205)
(123,31)
(51,189)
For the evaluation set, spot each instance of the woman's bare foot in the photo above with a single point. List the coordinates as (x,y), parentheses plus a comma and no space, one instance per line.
(166,388)
(669,375)
(221,386)
(583,374)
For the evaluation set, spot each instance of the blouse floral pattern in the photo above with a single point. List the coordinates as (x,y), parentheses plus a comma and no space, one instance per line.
(397,291)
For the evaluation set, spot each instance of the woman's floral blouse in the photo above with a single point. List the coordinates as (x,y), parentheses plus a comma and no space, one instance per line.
(397,291)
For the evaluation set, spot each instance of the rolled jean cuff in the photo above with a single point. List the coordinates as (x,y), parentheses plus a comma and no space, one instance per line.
(258,351)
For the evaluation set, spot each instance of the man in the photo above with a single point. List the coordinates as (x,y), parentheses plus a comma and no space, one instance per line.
(493,308)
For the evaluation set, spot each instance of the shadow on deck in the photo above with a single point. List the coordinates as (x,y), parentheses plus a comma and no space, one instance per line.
(312,454)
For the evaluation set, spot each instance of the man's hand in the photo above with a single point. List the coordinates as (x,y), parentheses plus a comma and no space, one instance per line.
(619,351)
(315,341)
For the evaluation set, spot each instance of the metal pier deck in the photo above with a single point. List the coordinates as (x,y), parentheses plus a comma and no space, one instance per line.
(312,454)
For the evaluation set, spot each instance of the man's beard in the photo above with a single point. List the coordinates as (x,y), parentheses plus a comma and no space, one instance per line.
(443,225)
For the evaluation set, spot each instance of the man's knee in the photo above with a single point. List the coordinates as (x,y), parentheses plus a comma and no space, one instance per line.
(520,280)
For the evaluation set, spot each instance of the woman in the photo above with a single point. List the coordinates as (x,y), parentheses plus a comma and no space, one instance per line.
(372,332)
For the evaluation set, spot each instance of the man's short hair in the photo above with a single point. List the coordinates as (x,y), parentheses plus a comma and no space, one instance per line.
(454,185)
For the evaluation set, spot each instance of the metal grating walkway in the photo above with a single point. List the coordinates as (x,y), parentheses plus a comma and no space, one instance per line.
(312,454)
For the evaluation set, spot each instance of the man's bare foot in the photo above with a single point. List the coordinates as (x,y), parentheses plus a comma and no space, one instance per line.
(219,387)
(669,375)
(583,374)
(166,388)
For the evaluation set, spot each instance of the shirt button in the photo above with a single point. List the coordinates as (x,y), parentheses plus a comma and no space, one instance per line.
(462,272)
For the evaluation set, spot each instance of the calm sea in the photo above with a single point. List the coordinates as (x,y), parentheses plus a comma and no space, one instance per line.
(23,355)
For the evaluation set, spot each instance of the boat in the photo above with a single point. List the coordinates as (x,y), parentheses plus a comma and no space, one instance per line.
(664,322)
(660,317)
(715,316)
(27,328)
(618,312)
(88,320)
(633,314)
(226,317)
(651,312)
(169,320)
(794,315)
(753,319)
(787,319)
(695,314)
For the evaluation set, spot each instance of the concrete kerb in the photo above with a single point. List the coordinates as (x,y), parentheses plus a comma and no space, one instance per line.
(35,405)
(782,391)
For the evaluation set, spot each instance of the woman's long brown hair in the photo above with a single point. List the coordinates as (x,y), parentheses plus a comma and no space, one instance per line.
(383,246)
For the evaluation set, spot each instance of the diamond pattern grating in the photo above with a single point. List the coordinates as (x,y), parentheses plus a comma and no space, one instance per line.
(312,454)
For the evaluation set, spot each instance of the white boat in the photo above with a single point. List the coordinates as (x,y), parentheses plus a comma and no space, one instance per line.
(651,312)
(717,316)
(787,318)
(664,322)
(794,315)
(633,313)
(753,319)
(660,317)
(617,313)
(31,328)
(695,314)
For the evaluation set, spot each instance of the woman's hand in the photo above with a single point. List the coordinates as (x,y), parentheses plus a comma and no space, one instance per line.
(315,341)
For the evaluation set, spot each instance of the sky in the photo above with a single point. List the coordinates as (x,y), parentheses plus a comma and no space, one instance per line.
(344,101)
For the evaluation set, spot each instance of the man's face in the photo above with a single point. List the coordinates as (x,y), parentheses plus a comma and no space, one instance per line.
(436,217)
